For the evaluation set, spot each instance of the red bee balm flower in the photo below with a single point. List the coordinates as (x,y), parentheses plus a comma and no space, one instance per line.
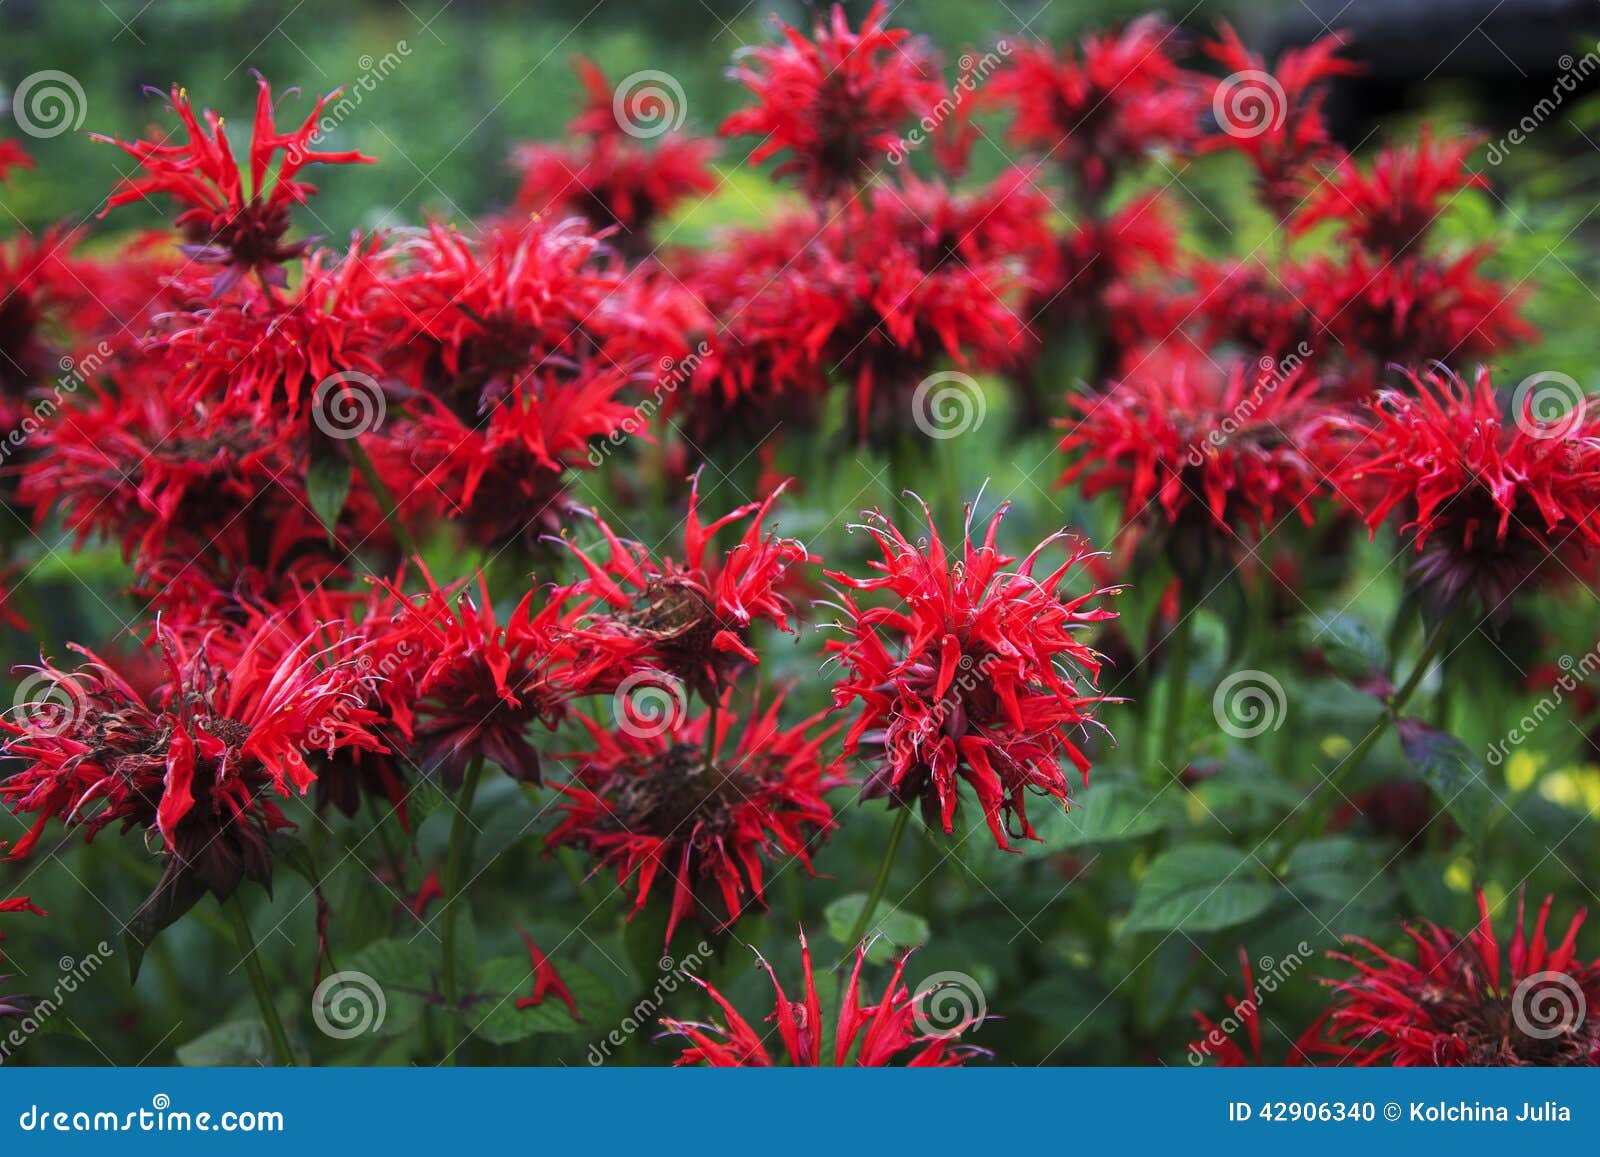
(1389,211)
(198,762)
(968,676)
(692,619)
(13,156)
(481,683)
(1495,502)
(1104,106)
(661,799)
(835,102)
(886,1030)
(609,176)
(225,225)
(1209,458)
(1276,120)
(1452,1007)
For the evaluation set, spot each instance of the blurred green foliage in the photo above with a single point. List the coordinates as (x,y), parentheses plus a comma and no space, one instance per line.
(465,79)
(1033,929)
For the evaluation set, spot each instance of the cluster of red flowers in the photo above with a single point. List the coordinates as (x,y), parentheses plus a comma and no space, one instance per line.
(269,426)
(866,1036)
(1466,1000)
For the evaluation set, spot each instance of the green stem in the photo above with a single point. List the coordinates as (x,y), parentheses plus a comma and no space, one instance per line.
(391,856)
(1392,708)
(246,943)
(386,502)
(1177,684)
(568,860)
(864,921)
(460,837)
(1430,652)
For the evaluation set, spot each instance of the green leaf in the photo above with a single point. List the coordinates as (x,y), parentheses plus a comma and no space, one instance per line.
(293,853)
(1452,773)
(174,895)
(328,477)
(1342,869)
(510,818)
(503,981)
(1109,810)
(895,927)
(236,1043)
(1198,888)
(644,941)
(1355,653)
(403,971)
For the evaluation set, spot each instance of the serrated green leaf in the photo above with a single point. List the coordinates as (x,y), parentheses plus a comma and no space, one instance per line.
(895,928)
(1452,773)
(1342,869)
(1109,810)
(1199,888)
(1354,652)
(404,973)
(507,979)
(328,476)
(236,1043)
